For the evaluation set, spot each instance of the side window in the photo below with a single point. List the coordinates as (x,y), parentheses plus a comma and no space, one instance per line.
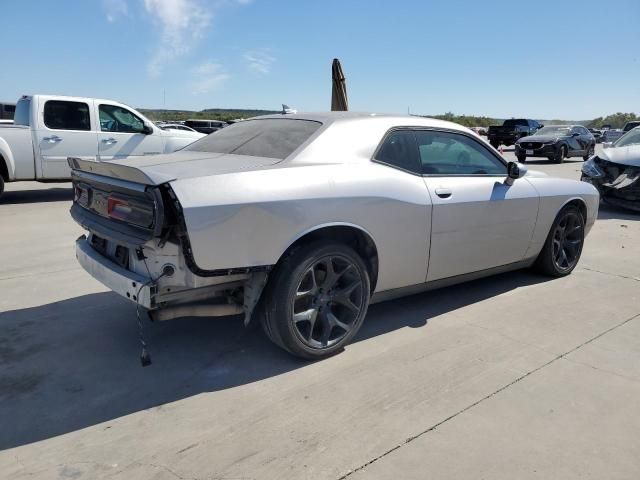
(446,153)
(118,119)
(399,150)
(584,131)
(64,115)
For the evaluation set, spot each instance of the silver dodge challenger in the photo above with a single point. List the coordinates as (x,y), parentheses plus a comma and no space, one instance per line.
(302,221)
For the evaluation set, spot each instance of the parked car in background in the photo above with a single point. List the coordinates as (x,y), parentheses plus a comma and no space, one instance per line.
(7,110)
(376,207)
(482,131)
(557,142)
(597,134)
(629,125)
(205,126)
(511,131)
(611,135)
(615,171)
(176,126)
(47,129)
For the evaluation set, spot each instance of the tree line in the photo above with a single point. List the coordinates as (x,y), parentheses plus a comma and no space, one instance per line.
(616,120)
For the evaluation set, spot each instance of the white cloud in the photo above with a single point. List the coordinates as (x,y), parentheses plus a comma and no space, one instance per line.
(115,9)
(207,76)
(259,61)
(182,23)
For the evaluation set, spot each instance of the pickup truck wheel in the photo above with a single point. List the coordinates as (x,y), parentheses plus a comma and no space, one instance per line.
(316,299)
(495,144)
(563,246)
(561,154)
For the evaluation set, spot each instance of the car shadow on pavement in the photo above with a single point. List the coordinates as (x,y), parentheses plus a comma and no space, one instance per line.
(15,197)
(610,212)
(72,364)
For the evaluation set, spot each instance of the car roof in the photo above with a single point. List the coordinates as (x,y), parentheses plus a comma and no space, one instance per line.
(392,120)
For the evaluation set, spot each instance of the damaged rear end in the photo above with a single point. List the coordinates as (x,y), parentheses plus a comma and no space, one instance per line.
(138,246)
(617,181)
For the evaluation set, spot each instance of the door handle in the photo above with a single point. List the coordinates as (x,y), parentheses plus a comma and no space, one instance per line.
(109,141)
(443,192)
(52,139)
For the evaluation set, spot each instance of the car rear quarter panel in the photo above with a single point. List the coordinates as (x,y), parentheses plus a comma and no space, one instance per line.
(554,194)
(251,218)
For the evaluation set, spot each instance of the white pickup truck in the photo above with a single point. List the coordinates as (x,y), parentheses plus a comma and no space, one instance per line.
(47,129)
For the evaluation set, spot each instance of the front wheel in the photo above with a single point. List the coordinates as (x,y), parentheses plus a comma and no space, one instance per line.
(563,246)
(561,154)
(590,153)
(316,299)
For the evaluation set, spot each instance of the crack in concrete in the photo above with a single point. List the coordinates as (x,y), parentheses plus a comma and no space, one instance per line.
(486,397)
(627,277)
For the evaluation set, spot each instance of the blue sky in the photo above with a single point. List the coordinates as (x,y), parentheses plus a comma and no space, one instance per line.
(543,59)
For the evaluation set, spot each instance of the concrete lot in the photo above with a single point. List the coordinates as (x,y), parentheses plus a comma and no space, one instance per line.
(511,377)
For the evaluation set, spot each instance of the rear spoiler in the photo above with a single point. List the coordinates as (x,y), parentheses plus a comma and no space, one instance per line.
(118,171)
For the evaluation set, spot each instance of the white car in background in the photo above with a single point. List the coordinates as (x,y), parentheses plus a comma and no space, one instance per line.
(48,129)
(176,126)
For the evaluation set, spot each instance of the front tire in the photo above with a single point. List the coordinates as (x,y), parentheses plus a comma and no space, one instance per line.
(316,299)
(590,153)
(563,246)
(561,154)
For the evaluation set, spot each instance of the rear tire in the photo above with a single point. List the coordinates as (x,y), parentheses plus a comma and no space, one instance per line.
(495,144)
(316,299)
(1,186)
(563,246)
(522,158)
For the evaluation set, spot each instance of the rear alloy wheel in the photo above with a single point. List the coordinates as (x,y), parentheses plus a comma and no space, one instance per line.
(561,154)
(563,246)
(316,300)
(590,153)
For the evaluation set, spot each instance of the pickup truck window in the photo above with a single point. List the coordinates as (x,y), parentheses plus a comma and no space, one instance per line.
(118,119)
(446,153)
(22,113)
(514,122)
(269,137)
(64,115)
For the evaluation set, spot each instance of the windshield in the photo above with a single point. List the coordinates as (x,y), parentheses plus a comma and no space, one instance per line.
(631,125)
(269,137)
(632,137)
(555,131)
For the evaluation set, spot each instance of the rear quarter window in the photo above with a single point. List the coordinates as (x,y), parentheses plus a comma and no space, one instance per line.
(269,137)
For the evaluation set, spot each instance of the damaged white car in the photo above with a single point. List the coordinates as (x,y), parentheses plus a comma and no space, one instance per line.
(302,221)
(616,172)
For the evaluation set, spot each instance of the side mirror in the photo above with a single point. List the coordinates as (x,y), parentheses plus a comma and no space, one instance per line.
(575,134)
(147,129)
(540,126)
(607,144)
(515,170)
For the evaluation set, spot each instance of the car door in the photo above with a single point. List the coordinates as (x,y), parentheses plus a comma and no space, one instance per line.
(123,134)
(479,221)
(65,129)
(575,142)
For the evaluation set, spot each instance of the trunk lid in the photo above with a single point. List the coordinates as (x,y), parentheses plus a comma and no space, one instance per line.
(159,169)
